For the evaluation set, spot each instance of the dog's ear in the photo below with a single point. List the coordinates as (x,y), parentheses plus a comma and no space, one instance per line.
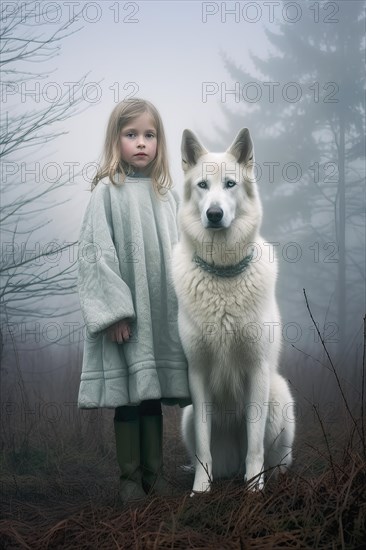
(242,147)
(191,149)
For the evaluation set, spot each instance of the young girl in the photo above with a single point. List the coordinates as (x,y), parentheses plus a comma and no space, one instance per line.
(133,360)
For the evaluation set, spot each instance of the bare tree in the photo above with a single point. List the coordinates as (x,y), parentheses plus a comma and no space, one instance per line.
(29,272)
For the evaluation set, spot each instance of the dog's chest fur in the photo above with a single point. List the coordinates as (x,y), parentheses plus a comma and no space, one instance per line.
(208,298)
(226,321)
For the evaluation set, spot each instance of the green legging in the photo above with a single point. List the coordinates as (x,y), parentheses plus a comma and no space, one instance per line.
(150,407)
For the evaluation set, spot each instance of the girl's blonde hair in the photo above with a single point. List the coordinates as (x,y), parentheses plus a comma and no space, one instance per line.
(112,164)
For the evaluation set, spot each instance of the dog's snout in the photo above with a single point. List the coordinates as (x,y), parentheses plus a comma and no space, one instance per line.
(214,214)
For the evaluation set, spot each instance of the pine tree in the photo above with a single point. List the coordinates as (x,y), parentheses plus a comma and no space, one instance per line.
(310,112)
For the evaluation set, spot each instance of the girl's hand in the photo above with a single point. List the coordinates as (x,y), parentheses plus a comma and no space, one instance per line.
(120,332)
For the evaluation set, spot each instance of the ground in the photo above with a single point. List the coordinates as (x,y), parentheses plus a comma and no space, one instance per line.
(69,498)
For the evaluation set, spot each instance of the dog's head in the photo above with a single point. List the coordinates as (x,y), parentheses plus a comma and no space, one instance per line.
(220,187)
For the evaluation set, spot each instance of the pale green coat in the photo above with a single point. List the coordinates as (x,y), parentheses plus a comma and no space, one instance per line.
(124,271)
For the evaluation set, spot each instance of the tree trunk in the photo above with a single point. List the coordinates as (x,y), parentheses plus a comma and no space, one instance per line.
(341,236)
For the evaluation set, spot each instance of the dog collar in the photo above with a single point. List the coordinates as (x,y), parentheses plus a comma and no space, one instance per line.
(225,270)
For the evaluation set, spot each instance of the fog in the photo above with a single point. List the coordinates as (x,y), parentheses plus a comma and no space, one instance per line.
(290,72)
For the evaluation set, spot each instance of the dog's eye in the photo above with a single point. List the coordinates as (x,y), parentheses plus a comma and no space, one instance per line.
(230,183)
(202,184)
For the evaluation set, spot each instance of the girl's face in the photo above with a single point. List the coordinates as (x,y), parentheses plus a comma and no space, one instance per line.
(138,141)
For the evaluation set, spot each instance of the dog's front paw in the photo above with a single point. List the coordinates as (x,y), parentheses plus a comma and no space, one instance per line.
(256,483)
(201,487)
(203,475)
(254,475)
(202,483)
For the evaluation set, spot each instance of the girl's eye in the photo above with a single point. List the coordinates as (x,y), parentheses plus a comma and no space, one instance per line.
(151,135)
(230,183)
(130,134)
(202,184)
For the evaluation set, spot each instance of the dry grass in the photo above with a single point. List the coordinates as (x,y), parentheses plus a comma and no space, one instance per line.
(60,483)
(72,502)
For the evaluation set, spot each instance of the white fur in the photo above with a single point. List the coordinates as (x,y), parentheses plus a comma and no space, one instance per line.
(242,417)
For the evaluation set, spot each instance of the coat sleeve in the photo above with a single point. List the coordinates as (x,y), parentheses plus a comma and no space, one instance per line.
(176,198)
(176,203)
(104,297)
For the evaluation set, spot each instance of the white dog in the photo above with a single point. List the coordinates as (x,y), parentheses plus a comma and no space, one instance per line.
(242,417)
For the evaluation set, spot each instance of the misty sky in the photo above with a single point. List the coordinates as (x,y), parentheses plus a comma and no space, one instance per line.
(167,55)
(160,51)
